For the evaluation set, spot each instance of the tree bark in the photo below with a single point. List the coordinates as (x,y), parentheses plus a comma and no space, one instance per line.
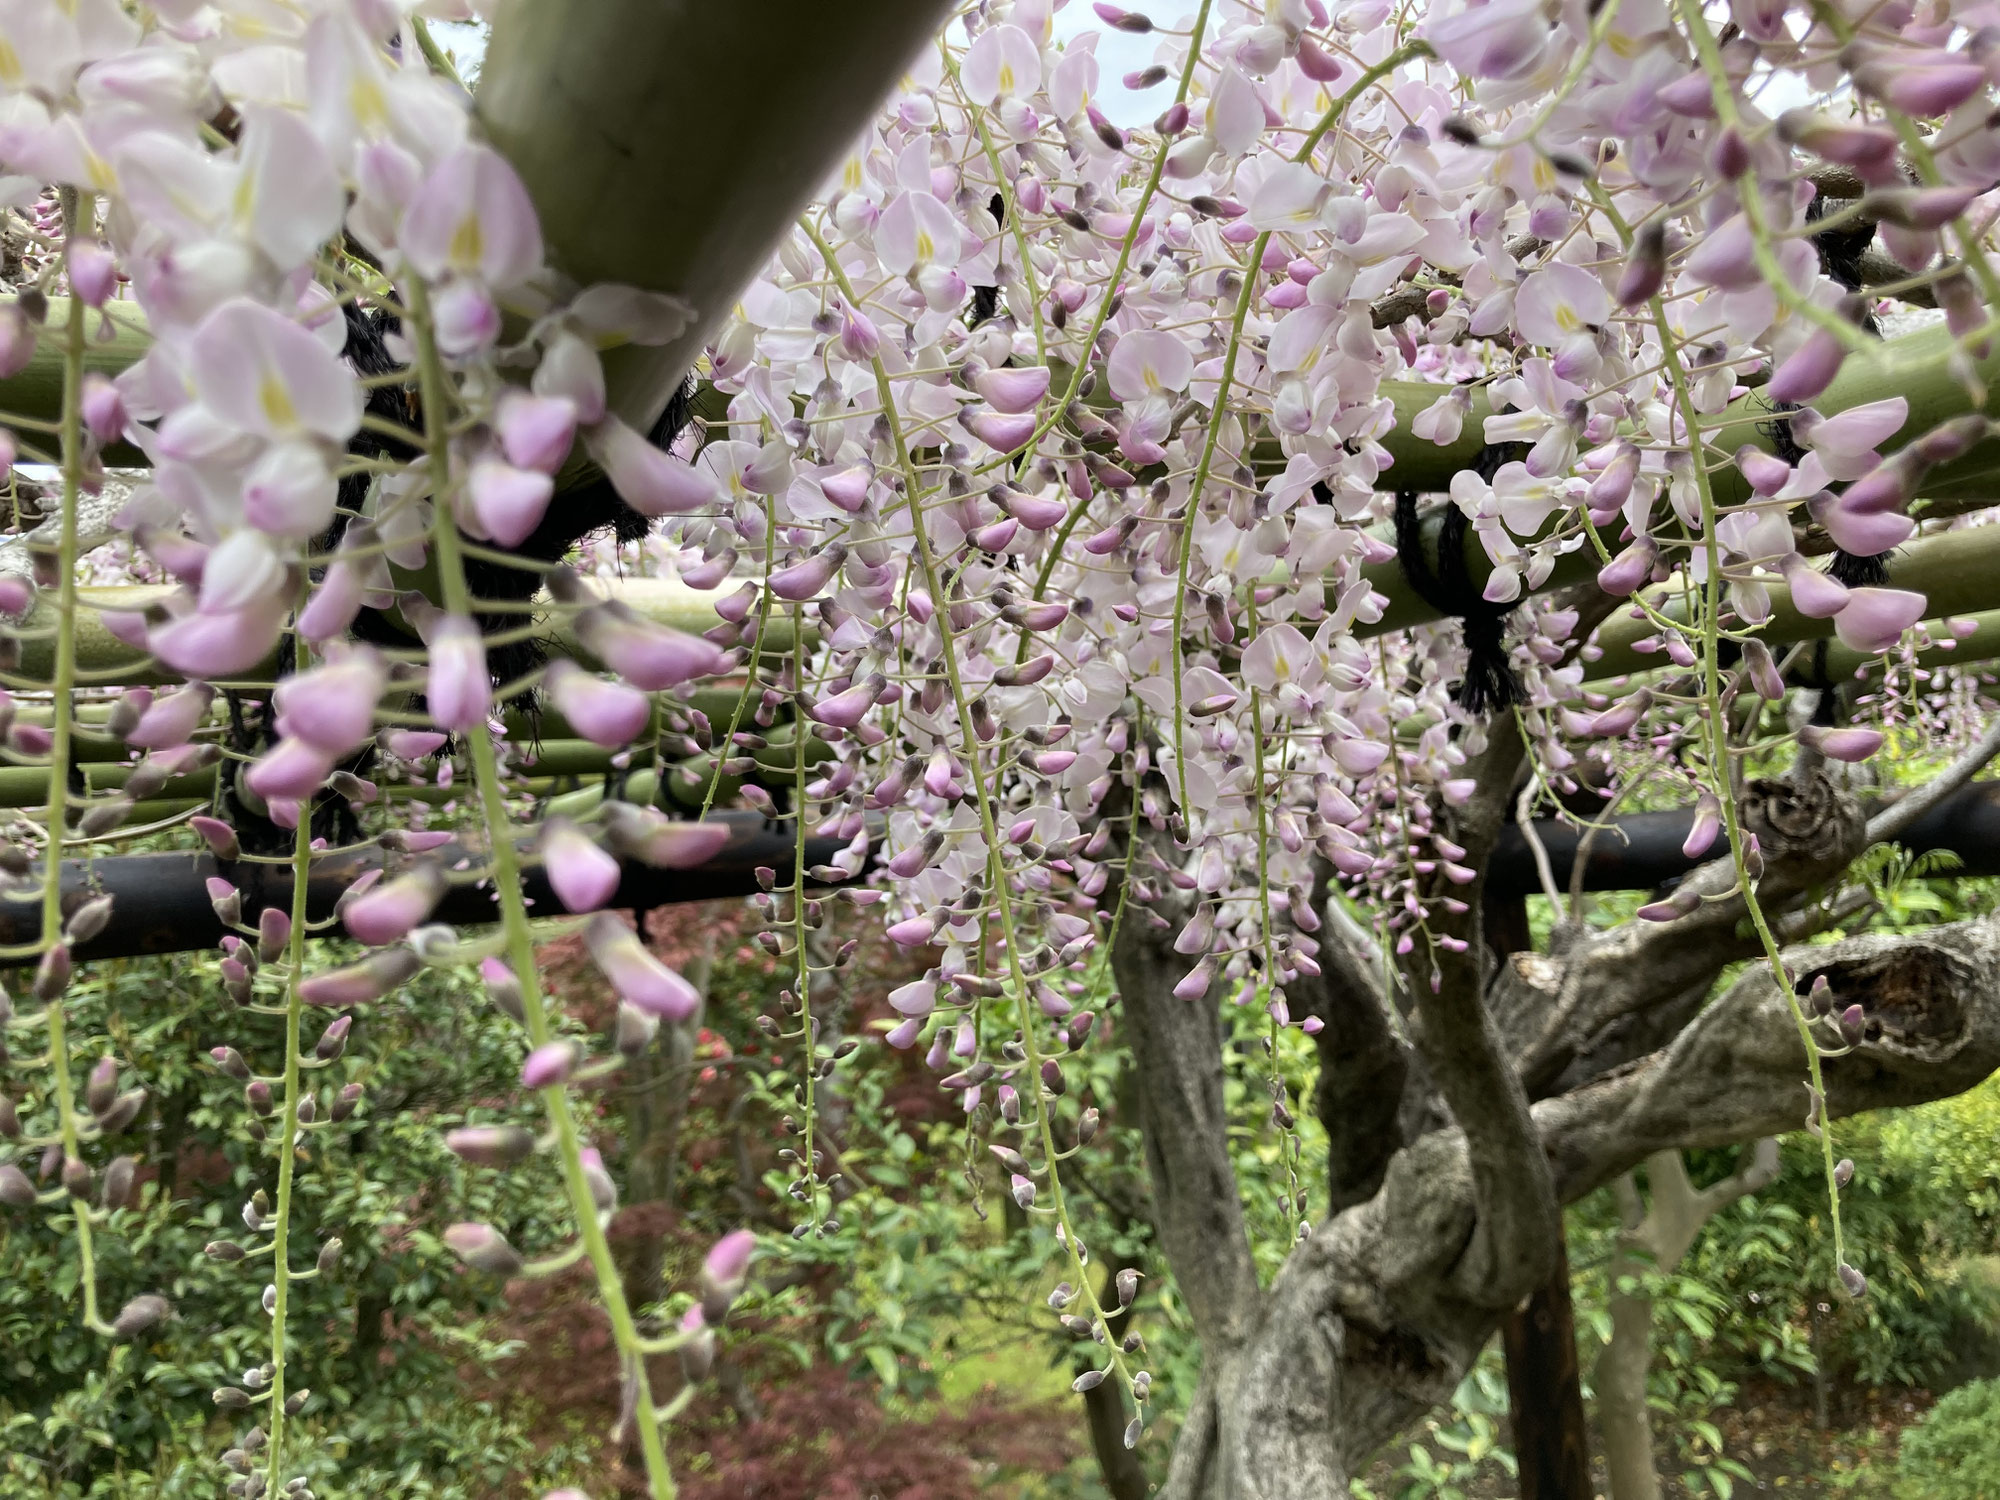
(1545,1392)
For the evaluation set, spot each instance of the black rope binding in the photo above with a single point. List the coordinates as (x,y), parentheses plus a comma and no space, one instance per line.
(1490,683)
(1840,250)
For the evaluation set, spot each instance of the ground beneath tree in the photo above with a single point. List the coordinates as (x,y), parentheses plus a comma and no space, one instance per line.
(1770,1431)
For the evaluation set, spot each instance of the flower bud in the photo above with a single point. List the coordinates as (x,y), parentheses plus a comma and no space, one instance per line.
(346,1102)
(724,1271)
(386,913)
(549,1065)
(504,989)
(124,1110)
(219,836)
(1646,267)
(1853,1282)
(77,1177)
(227,901)
(88,920)
(140,1314)
(117,1191)
(1762,671)
(274,933)
(102,1086)
(491,1145)
(483,1248)
(333,1041)
(16,1191)
(52,974)
(329,1256)
(1843,1172)
(697,1351)
(357,984)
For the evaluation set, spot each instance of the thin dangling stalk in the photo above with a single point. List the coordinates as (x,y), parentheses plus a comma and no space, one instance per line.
(288,1122)
(62,686)
(435,394)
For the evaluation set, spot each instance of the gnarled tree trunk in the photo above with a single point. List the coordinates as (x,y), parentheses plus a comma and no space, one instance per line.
(1462,1117)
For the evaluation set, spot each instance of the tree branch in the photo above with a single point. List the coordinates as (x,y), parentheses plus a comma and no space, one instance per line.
(1912,805)
(1177,1055)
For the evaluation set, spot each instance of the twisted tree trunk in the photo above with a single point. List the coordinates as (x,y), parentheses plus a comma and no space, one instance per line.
(1461,1118)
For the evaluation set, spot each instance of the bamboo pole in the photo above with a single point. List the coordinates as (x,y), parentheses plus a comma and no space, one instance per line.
(670,144)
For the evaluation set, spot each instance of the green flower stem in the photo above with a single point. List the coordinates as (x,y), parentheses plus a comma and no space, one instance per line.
(457,595)
(1253,269)
(288,1123)
(1103,314)
(988,824)
(62,685)
(807,1041)
(1716,730)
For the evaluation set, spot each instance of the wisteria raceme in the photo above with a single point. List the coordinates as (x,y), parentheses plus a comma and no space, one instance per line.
(1054,528)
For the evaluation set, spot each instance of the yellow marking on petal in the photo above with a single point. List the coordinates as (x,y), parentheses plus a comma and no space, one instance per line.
(1006,78)
(1567,320)
(368,104)
(11,72)
(277,402)
(850,177)
(926,246)
(467,242)
(102,178)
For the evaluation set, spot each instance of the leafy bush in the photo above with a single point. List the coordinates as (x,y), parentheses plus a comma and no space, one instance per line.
(1954,1454)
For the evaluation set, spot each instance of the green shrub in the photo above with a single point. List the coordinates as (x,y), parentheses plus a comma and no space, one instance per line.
(1955,1453)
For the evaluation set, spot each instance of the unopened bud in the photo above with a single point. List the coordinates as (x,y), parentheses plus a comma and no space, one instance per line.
(140,1314)
(52,974)
(333,1041)
(329,1256)
(118,1182)
(88,920)
(102,1086)
(491,1145)
(484,1248)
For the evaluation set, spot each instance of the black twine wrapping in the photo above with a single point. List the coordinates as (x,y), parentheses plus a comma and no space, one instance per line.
(1490,682)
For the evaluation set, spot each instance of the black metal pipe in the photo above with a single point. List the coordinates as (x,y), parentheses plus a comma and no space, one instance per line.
(161,905)
(161,902)
(1645,850)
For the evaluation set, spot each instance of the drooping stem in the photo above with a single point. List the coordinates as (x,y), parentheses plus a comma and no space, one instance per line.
(457,595)
(288,1125)
(933,581)
(62,685)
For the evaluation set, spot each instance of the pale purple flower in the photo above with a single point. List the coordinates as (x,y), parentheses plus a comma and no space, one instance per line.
(385,913)
(459,691)
(1874,619)
(582,875)
(93,273)
(172,718)
(264,374)
(332,707)
(1843,744)
(535,432)
(1816,595)
(1808,369)
(548,1065)
(1149,362)
(639,978)
(651,482)
(605,713)
(473,218)
(505,504)
(1013,390)
(648,656)
(293,770)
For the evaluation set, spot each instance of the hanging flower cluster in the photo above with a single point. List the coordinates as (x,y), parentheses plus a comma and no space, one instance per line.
(1064,529)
